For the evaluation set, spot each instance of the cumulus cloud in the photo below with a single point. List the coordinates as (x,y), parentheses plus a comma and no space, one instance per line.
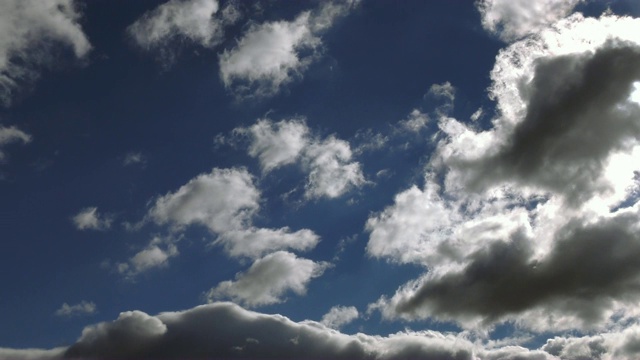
(273,54)
(90,219)
(257,242)
(525,222)
(515,19)
(276,144)
(164,27)
(339,316)
(82,308)
(226,201)
(155,255)
(30,31)
(10,135)
(328,162)
(269,279)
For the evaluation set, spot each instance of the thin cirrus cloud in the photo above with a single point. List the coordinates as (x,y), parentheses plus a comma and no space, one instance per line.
(29,31)
(520,218)
(328,163)
(269,279)
(271,55)
(11,135)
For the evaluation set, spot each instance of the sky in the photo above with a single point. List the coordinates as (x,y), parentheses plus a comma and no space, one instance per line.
(356,179)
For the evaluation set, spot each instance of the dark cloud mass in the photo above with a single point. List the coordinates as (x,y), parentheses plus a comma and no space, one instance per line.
(577,115)
(589,268)
(225,330)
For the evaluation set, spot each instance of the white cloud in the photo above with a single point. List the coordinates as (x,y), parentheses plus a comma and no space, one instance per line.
(166,26)
(331,171)
(416,121)
(90,219)
(11,134)
(276,144)
(257,242)
(82,308)
(515,19)
(273,54)
(32,354)
(226,201)
(445,90)
(339,316)
(155,255)
(134,158)
(269,279)
(28,31)
(328,162)
(222,200)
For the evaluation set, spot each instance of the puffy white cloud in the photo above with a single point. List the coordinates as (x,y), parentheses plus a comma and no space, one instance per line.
(515,19)
(32,354)
(164,27)
(273,54)
(222,200)
(226,201)
(90,219)
(339,316)
(269,279)
(155,255)
(29,29)
(331,171)
(445,90)
(257,242)
(328,162)
(11,134)
(276,144)
(82,308)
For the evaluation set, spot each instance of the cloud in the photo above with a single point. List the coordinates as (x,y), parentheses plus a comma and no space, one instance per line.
(30,30)
(222,200)
(134,158)
(226,201)
(524,222)
(155,255)
(276,144)
(515,19)
(90,219)
(225,330)
(11,134)
(445,90)
(166,26)
(82,308)
(589,275)
(339,316)
(32,354)
(328,162)
(273,54)
(416,121)
(269,279)
(257,242)
(578,115)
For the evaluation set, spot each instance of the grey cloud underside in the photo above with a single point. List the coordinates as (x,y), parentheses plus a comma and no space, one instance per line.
(590,267)
(224,330)
(577,115)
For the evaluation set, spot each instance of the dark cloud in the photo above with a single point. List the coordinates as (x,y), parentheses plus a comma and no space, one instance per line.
(589,267)
(577,115)
(225,330)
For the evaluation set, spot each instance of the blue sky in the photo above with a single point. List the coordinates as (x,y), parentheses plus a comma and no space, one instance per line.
(360,179)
